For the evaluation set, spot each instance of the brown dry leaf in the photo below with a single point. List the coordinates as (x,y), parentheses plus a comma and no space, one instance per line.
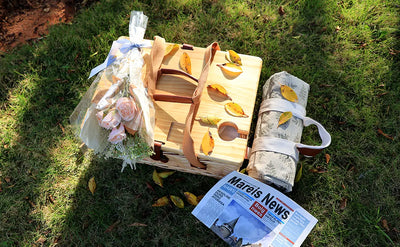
(177,201)
(385,225)
(157,179)
(233,57)
(41,240)
(137,224)
(7,179)
(185,63)
(92,185)
(51,199)
(231,69)
(328,158)
(163,201)
(191,198)
(210,119)
(149,186)
(299,174)
(288,93)
(220,89)
(235,110)
(171,49)
(285,116)
(385,135)
(207,144)
(343,203)
(110,228)
(318,170)
(165,174)
(281,10)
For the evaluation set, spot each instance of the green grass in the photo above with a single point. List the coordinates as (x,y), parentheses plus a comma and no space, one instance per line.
(351,46)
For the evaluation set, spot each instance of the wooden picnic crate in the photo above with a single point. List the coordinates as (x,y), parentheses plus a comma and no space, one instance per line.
(170,117)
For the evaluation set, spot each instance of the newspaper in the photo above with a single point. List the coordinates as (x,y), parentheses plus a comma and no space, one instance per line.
(246,212)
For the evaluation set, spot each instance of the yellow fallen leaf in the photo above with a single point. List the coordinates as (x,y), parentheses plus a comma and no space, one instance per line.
(171,49)
(288,93)
(191,198)
(285,116)
(165,174)
(233,57)
(220,89)
(161,202)
(243,171)
(231,69)
(207,144)
(92,185)
(299,174)
(157,179)
(185,63)
(177,201)
(235,110)
(210,119)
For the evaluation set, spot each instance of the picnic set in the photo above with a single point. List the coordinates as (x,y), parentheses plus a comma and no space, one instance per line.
(187,108)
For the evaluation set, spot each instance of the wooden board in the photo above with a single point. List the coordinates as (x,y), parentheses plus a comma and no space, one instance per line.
(170,117)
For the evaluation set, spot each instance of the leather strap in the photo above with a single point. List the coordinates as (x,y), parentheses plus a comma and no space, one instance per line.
(156,57)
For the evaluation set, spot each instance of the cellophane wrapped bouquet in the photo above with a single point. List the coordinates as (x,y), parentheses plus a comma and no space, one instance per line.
(115,118)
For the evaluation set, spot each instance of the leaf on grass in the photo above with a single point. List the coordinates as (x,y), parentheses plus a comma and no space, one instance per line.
(207,144)
(157,179)
(171,49)
(318,170)
(7,179)
(385,225)
(51,199)
(163,201)
(285,116)
(343,203)
(177,201)
(210,119)
(220,89)
(165,174)
(231,69)
(149,186)
(92,185)
(288,93)
(185,63)
(235,110)
(233,57)
(281,10)
(110,228)
(385,135)
(137,224)
(328,158)
(191,198)
(299,174)
(199,198)
(41,240)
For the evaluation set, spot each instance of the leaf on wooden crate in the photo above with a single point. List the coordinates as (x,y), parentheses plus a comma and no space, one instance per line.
(207,144)
(92,185)
(289,94)
(328,158)
(165,174)
(177,201)
(163,201)
(285,116)
(171,49)
(299,174)
(209,119)
(233,57)
(231,69)
(191,198)
(235,110)
(220,89)
(157,179)
(385,135)
(185,63)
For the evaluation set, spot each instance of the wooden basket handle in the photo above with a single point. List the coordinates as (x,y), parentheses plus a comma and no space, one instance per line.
(156,57)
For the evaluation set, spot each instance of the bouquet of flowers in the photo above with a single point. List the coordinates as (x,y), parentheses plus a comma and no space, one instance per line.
(115,118)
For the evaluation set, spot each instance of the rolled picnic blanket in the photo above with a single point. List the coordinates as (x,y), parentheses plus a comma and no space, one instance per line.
(276,147)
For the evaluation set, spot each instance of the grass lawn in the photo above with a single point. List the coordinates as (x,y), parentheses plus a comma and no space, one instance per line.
(348,51)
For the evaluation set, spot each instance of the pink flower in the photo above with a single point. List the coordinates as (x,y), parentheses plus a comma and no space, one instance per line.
(99,116)
(111,120)
(126,108)
(117,134)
